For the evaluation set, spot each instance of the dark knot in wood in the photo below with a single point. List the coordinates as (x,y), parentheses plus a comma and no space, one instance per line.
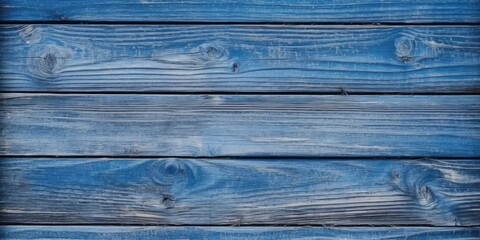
(168,201)
(46,63)
(213,52)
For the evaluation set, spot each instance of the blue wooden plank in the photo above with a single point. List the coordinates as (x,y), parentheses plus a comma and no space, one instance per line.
(239,125)
(245,11)
(240,192)
(232,233)
(240,58)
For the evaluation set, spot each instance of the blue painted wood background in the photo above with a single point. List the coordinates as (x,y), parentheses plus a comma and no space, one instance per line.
(219,119)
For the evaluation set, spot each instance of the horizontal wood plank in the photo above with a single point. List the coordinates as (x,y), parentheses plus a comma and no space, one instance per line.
(240,58)
(240,192)
(233,233)
(344,11)
(239,125)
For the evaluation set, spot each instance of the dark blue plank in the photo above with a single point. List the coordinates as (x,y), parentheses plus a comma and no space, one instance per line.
(233,233)
(245,11)
(239,125)
(240,58)
(240,192)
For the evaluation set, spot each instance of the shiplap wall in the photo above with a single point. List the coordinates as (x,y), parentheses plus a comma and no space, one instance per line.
(289,119)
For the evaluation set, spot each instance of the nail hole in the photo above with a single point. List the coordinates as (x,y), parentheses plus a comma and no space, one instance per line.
(235,67)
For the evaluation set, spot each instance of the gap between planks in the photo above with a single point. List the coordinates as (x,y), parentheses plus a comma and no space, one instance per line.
(341,92)
(86,22)
(260,157)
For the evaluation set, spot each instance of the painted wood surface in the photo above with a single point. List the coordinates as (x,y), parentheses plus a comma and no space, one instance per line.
(344,11)
(239,125)
(231,233)
(240,192)
(240,58)
(75,91)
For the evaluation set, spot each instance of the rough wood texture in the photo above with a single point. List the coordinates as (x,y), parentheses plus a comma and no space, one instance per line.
(239,125)
(245,11)
(233,233)
(236,58)
(240,192)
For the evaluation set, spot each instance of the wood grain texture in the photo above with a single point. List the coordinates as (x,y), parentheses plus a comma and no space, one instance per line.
(233,233)
(239,125)
(244,11)
(240,192)
(240,58)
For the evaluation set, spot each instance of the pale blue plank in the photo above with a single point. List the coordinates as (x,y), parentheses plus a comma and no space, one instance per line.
(244,11)
(240,125)
(241,192)
(232,233)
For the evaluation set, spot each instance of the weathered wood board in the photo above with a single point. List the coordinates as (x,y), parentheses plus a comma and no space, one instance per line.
(240,58)
(234,233)
(240,192)
(239,125)
(345,11)
(253,119)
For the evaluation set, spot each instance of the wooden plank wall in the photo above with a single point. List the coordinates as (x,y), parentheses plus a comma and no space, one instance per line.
(286,119)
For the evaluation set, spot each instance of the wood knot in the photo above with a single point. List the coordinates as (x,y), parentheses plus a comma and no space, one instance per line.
(425,196)
(404,47)
(29,33)
(395,175)
(168,172)
(171,167)
(172,175)
(415,182)
(47,62)
(50,61)
(213,52)
(168,201)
